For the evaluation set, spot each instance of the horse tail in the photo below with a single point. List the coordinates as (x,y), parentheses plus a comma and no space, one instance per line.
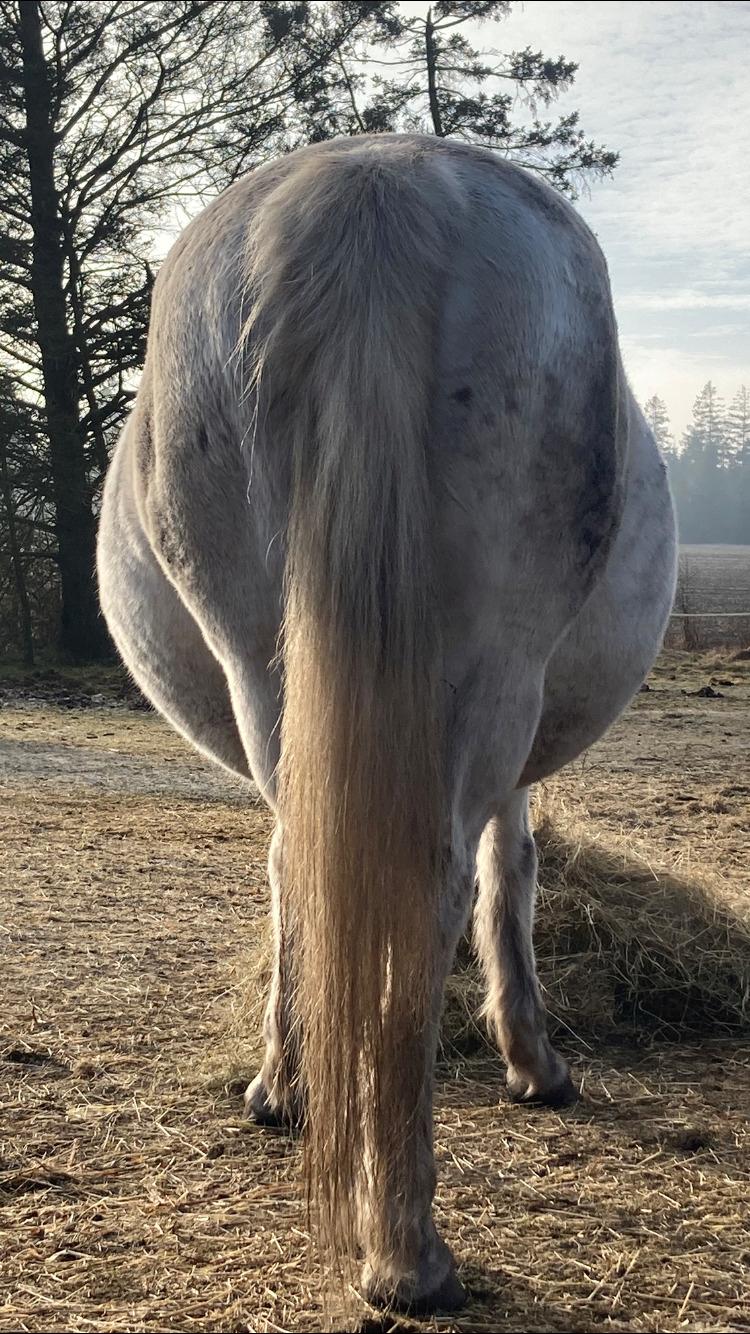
(344,281)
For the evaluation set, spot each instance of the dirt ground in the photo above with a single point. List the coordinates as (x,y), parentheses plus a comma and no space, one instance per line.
(132,1194)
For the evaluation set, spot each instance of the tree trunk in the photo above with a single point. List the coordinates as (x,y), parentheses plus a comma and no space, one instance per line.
(431,55)
(83,632)
(82,352)
(19,575)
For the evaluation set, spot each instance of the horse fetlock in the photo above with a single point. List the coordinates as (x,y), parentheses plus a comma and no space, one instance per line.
(433,1286)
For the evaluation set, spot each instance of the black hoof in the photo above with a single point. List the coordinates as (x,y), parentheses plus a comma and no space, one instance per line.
(563,1094)
(273,1116)
(268,1118)
(450,1295)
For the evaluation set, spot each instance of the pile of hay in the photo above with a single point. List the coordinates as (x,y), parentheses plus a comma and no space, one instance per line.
(623,946)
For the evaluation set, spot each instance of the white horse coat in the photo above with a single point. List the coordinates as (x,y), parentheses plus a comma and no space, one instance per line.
(383,421)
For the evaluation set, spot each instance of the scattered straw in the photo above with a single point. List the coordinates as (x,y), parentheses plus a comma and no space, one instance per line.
(134,1197)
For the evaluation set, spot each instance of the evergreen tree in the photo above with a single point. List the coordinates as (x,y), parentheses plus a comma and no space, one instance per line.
(657,416)
(710,473)
(705,456)
(738,436)
(737,425)
(441,84)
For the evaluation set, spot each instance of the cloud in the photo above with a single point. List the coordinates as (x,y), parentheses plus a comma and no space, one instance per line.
(685,300)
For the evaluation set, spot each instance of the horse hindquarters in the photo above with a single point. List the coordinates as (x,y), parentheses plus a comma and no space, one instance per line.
(434,464)
(158,639)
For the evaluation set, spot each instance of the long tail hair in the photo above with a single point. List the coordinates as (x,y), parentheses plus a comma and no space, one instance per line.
(344,285)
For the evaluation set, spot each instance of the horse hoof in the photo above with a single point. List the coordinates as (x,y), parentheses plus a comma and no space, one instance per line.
(528,1094)
(271,1115)
(449,1295)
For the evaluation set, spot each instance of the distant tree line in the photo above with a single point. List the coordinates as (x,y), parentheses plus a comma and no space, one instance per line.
(112,114)
(709,467)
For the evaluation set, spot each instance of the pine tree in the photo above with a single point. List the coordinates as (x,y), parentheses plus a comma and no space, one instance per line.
(657,417)
(738,435)
(442,84)
(705,456)
(738,425)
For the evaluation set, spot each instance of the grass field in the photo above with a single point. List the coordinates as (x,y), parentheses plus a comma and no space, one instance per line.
(133,1196)
(712,580)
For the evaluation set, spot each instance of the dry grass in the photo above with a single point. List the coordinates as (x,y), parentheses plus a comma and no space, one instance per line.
(712,579)
(133,1195)
(624,946)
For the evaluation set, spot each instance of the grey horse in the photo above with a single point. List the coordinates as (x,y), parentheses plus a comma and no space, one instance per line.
(387,532)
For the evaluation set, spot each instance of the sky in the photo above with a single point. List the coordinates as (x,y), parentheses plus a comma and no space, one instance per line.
(668,86)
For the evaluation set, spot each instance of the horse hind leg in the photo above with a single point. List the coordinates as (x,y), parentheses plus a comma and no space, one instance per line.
(274,1097)
(164,647)
(429,1282)
(503,926)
